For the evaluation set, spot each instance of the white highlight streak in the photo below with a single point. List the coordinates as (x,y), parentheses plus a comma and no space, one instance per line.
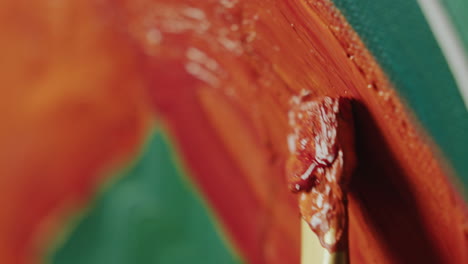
(449,42)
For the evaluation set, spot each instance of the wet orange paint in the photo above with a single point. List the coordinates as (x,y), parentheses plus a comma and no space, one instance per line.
(221,74)
(223,81)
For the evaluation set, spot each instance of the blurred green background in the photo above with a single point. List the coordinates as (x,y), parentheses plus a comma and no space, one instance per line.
(150,214)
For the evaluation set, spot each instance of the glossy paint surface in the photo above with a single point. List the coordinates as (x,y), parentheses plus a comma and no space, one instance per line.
(276,49)
(221,74)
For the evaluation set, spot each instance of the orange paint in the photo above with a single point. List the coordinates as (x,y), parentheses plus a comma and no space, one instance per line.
(71,111)
(221,74)
(236,65)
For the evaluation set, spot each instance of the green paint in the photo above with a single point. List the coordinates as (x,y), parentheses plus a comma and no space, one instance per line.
(149,215)
(458,11)
(397,34)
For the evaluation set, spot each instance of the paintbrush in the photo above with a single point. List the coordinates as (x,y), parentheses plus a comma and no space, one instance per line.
(319,167)
(312,251)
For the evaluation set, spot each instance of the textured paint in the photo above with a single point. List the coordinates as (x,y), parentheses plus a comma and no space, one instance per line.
(232,70)
(407,51)
(221,74)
